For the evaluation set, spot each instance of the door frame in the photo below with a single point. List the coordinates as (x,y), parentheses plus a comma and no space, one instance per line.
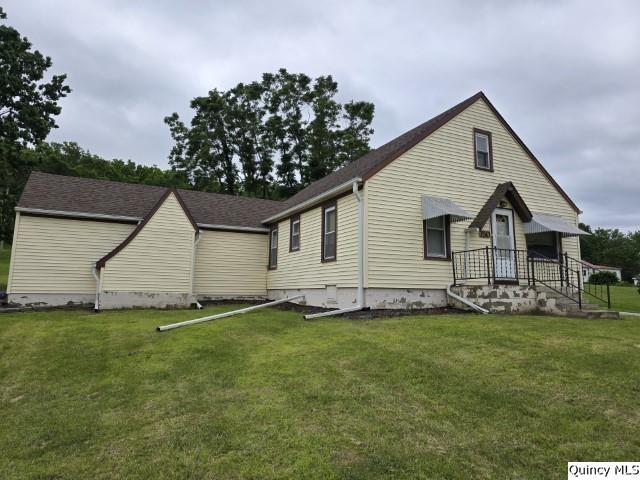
(494,231)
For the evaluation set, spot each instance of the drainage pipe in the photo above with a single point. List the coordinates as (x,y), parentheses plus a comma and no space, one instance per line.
(360,301)
(477,308)
(227,314)
(193,266)
(96,275)
(333,312)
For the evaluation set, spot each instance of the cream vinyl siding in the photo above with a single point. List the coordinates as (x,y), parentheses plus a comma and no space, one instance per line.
(442,165)
(56,255)
(231,263)
(303,268)
(158,259)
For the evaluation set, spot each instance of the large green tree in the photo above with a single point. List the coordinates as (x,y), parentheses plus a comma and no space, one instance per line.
(612,247)
(269,138)
(28,107)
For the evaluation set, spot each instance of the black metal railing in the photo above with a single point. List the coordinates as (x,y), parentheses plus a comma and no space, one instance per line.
(499,265)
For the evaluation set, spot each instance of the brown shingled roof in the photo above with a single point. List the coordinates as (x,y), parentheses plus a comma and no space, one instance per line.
(88,196)
(374,161)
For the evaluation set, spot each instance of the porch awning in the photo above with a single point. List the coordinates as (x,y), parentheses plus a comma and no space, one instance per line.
(545,222)
(433,207)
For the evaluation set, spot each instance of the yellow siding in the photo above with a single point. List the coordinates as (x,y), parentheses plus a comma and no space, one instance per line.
(442,165)
(158,259)
(303,269)
(55,255)
(231,264)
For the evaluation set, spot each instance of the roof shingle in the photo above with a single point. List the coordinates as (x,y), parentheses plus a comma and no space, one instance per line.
(89,196)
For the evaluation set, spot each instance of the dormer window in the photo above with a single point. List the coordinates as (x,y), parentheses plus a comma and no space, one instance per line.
(482,147)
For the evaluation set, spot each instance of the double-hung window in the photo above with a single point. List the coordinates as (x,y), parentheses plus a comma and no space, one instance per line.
(436,238)
(294,234)
(482,146)
(329,232)
(273,248)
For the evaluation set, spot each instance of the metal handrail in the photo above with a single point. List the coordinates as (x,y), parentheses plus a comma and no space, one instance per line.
(562,275)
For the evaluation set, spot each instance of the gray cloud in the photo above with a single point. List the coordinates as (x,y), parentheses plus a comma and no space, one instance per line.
(565,74)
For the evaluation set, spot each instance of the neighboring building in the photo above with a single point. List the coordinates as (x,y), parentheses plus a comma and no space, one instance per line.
(589,269)
(636,280)
(379,232)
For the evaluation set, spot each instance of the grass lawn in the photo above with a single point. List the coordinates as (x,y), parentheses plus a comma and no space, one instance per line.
(267,395)
(624,299)
(5,257)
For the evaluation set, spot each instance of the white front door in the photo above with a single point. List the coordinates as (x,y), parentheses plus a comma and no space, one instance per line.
(504,242)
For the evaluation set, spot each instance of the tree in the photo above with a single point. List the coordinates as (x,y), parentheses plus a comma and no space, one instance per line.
(269,138)
(28,107)
(612,247)
(603,278)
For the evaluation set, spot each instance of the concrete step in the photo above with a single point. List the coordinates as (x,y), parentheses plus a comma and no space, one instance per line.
(593,314)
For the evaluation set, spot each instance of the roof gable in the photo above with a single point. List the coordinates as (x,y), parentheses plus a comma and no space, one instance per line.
(374,161)
(168,192)
(504,190)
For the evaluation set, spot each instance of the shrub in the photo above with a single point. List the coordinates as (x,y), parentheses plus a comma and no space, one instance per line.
(603,278)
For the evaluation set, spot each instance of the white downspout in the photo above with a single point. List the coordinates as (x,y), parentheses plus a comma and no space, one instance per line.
(193,266)
(94,272)
(360,300)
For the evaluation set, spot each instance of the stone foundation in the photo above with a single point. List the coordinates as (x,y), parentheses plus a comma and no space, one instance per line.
(508,298)
(51,299)
(377,298)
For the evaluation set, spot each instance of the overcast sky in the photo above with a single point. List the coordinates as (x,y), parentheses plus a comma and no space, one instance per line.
(565,75)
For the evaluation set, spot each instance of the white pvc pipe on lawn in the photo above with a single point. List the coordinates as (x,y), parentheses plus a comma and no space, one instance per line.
(469,303)
(226,314)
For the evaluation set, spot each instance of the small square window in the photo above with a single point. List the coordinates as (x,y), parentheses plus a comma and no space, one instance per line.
(482,147)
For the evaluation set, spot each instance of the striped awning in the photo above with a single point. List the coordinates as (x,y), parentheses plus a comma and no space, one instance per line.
(545,222)
(433,207)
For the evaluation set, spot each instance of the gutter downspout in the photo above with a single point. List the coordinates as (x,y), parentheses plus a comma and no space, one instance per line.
(94,272)
(171,326)
(360,300)
(477,308)
(193,266)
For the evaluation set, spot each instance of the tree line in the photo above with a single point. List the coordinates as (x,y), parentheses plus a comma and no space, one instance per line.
(268,138)
(612,247)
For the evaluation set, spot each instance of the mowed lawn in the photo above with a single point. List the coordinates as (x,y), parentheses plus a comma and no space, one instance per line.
(268,395)
(624,299)
(5,257)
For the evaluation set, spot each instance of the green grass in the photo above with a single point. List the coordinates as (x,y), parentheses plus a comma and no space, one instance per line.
(5,257)
(623,299)
(267,395)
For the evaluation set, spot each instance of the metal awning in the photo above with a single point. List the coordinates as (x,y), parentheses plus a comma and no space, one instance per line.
(433,207)
(545,222)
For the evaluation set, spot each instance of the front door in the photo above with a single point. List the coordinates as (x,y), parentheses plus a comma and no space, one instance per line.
(504,243)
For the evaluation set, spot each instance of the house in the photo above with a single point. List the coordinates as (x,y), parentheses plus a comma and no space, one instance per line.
(458,200)
(589,269)
(636,280)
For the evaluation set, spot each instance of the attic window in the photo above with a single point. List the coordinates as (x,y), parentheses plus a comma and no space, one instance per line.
(482,147)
